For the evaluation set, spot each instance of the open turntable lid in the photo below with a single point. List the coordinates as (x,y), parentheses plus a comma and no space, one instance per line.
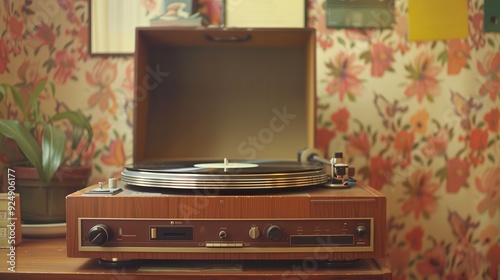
(223,93)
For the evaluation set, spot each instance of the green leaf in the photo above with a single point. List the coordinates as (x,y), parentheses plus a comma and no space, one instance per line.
(366,56)
(52,89)
(53,144)
(351,97)
(491,158)
(490,42)
(429,97)
(442,174)
(341,41)
(33,101)
(17,98)
(26,142)
(77,119)
(418,159)
(3,93)
(443,57)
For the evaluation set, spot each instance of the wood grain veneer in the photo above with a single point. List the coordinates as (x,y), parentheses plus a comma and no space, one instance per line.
(308,203)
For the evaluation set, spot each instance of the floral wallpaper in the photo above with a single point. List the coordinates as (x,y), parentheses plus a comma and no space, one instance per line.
(418,120)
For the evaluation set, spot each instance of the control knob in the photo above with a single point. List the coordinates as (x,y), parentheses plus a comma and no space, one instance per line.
(274,232)
(361,231)
(99,234)
(254,232)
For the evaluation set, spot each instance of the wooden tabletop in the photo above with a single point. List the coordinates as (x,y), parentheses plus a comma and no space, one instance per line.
(46,259)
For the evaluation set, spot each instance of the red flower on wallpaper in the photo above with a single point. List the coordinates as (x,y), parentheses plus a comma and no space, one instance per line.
(478,144)
(358,144)
(421,190)
(317,19)
(403,144)
(103,75)
(490,70)
(16,30)
(116,154)
(414,238)
(69,7)
(83,153)
(101,129)
(423,75)
(325,41)
(489,184)
(128,83)
(489,235)
(493,256)
(436,144)
(4,56)
(381,172)
(476,32)
(44,36)
(458,56)
(355,34)
(66,64)
(399,257)
(382,57)
(401,29)
(457,171)
(492,118)
(433,262)
(81,35)
(323,138)
(345,74)
(28,72)
(340,120)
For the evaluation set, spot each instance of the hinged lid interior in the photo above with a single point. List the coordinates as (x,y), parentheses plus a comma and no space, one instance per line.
(215,93)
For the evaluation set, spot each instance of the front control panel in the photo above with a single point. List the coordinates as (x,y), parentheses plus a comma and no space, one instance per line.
(225,235)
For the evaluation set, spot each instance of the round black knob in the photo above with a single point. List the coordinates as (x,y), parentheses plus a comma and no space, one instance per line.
(99,234)
(361,231)
(274,232)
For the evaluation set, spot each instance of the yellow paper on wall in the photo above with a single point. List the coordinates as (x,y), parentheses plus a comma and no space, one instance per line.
(437,20)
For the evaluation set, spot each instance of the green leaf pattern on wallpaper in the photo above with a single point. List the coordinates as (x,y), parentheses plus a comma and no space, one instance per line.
(418,120)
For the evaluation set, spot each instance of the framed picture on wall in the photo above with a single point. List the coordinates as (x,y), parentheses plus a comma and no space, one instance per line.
(266,13)
(113,22)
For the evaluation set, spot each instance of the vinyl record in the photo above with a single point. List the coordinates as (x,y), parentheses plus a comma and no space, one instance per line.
(226,174)
(218,166)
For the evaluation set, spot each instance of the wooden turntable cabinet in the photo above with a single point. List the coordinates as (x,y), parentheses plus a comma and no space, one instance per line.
(243,94)
(316,222)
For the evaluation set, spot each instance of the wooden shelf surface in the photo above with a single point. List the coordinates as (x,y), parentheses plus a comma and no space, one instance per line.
(46,259)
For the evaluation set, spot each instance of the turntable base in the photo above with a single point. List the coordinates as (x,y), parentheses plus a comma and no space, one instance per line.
(290,224)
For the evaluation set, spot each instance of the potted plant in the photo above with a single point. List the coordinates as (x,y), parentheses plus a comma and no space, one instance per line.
(51,165)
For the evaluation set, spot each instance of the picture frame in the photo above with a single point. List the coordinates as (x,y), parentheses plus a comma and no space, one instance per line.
(112,33)
(266,13)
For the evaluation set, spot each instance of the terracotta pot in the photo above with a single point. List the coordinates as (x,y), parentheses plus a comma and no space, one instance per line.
(46,203)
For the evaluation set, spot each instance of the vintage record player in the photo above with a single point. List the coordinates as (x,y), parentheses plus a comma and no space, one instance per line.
(220,115)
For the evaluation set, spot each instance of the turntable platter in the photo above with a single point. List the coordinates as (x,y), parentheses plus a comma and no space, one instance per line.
(213,174)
